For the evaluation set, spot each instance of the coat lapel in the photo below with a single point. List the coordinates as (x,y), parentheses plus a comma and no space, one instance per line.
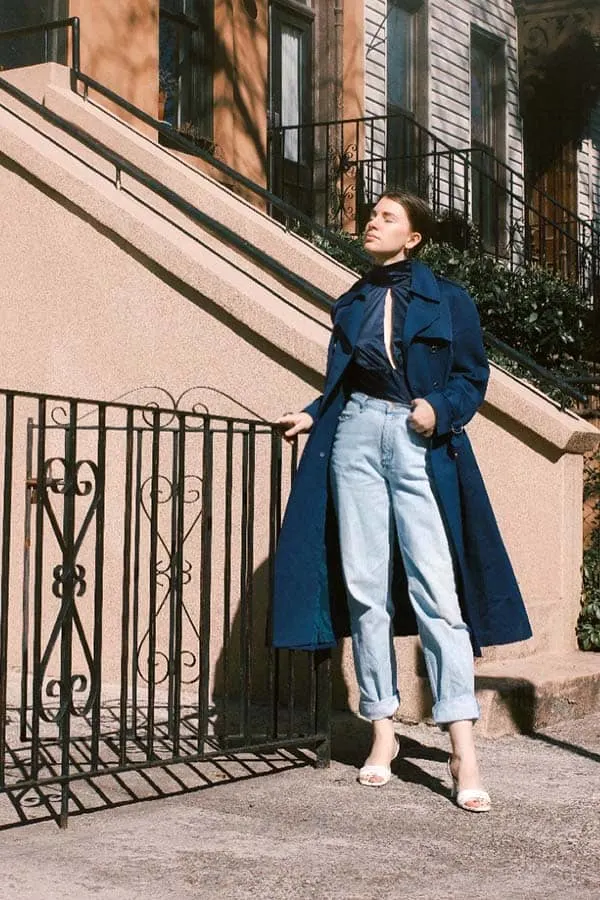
(348,321)
(425,313)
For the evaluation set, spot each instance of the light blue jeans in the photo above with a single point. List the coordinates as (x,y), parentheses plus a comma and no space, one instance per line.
(379,476)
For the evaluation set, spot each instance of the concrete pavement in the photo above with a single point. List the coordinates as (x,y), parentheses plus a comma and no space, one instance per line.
(318,835)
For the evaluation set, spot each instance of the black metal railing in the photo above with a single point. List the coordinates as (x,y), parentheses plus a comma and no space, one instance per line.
(352,161)
(298,221)
(44,52)
(137,548)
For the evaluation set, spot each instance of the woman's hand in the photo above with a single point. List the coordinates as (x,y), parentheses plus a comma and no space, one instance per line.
(422,418)
(295,424)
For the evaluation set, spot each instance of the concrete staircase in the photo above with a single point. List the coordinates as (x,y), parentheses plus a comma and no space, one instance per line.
(108,287)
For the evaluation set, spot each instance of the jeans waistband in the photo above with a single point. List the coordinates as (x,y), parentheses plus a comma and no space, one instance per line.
(387,406)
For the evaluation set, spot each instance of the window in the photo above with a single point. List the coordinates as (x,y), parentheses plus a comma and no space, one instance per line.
(185,64)
(488,113)
(34,48)
(483,131)
(291,79)
(401,75)
(292,88)
(405,159)
(290,76)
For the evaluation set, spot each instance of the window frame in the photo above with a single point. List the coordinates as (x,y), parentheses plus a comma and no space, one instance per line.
(494,47)
(283,12)
(196,103)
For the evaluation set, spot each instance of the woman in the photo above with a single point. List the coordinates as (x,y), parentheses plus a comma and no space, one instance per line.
(388,482)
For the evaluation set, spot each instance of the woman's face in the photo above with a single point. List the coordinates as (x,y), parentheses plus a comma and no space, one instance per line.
(389,233)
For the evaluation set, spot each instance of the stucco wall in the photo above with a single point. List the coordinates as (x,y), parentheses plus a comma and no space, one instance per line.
(102,322)
(119,47)
(84,317)
(241,87)
(108,290)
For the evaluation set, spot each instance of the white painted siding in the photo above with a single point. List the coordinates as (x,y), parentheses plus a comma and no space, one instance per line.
(595,165)
(375,91)
(588,170)
(450,28)
(588,187)
(450,43)
(584,181)
(449,82)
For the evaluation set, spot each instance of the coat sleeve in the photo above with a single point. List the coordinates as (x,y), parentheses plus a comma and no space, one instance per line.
(459,400)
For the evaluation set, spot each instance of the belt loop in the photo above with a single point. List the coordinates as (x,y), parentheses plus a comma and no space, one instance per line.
(362,400)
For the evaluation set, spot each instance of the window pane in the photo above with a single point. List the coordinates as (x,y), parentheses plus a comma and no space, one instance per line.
(482,130)
(173,6)
(30,49)
(168,73)
(291,87)
(400,58)
(185,64)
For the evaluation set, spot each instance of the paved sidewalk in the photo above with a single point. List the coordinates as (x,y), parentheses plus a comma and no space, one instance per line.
(318,835)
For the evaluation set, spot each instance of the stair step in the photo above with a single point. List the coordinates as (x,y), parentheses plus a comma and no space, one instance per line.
(525,695)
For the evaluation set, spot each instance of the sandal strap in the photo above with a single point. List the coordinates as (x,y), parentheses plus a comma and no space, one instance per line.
(469,794)
(381,771)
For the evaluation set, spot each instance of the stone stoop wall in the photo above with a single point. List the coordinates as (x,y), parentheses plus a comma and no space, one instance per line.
(102,295)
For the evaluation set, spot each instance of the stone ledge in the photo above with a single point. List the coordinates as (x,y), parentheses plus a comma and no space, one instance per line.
(529,408)
(526,695)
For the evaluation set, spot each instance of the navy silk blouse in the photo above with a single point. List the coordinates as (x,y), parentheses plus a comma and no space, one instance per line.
(370,370)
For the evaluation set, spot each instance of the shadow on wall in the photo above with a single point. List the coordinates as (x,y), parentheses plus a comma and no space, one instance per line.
(259,691)
(119,47)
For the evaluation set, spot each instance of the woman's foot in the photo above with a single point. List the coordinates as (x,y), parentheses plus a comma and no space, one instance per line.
(376,770)
(466,784)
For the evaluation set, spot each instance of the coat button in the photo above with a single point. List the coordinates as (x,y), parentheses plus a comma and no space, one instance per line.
(436,384)
(322,455)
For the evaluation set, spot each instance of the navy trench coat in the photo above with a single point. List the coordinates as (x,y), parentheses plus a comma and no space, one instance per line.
(445,364)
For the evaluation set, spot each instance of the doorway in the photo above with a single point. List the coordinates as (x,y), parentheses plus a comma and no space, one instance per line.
(290,114)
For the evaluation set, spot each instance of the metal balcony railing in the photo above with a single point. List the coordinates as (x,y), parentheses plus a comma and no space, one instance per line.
(334,171)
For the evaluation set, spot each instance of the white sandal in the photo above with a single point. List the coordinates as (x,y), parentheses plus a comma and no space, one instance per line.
(469,795)
(382,773)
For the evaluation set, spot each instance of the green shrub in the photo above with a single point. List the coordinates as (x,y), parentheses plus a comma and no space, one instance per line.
(529,308)
(588,625)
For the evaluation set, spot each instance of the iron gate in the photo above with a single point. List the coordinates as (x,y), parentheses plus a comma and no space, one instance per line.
(134,611)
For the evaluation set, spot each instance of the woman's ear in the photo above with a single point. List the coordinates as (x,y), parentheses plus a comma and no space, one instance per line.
(414,240)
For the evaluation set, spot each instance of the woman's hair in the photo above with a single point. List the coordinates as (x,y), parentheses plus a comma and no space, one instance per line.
(419,215)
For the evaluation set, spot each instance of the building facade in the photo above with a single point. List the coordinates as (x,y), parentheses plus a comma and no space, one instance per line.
(489,111)
(135,267)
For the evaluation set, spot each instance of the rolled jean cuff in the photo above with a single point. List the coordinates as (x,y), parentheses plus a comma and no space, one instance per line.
(457,709)
(379,709)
